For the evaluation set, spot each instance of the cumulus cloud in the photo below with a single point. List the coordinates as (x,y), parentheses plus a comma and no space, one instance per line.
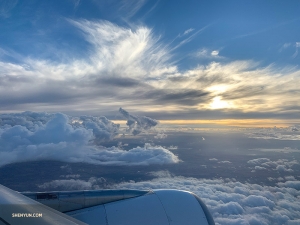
(74,184)
(208,54)
(259,168)
(291,184)
(41,136)
(282,165)
(103,129)
(138,124)
(232,202)
(160,136)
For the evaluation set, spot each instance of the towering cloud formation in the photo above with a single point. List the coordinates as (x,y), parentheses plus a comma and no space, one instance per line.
(137,124)
(39,136)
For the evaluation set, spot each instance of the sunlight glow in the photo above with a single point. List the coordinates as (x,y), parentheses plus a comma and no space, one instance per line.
(218,103)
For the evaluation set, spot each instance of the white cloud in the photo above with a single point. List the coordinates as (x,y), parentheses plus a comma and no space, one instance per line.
(213,159)
(72,184)
(226,162)
(282,165)
(188,31)
(259,168)
(209,54)
(290,178)
(258,161)
(282,168)
(40,136)
(160,136)
(297,45)
(232,202)
(288,133)
(291,184)
(214,53)
(134,56)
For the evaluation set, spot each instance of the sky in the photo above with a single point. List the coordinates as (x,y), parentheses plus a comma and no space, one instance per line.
(169,60)
(95,89)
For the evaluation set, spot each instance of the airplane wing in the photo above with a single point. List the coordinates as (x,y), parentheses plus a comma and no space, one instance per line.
(18,209)
(104,207)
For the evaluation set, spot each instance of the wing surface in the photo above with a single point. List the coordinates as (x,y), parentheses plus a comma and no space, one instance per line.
(16,209)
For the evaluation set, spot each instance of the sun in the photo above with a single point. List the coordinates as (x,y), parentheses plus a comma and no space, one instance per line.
(218,103)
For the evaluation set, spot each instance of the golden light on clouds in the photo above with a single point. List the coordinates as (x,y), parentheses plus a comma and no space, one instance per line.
(236,122)
(229,122)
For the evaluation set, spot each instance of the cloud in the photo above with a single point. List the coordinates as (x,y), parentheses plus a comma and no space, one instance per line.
(172,147)
(288,133)
(281,165)
(160,136)
(131,7)
(285,46)
(233,202)
(290,178)
(190,38)
(291,184)
(207,54)
(297,45)
(138,124)
(283,168)
(72,184)
(226,162)
(144,69)
(188,31)
(213,159)
(42,136)
(259,168)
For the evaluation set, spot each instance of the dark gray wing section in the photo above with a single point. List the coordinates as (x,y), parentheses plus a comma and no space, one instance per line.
(16,209)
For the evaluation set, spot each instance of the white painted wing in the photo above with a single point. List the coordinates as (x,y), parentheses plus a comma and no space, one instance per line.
(13,205)
(158,207)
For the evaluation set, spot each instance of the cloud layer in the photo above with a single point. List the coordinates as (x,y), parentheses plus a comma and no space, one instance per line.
(282,165)
(42,136)
(232,202)
(289,133)
(229,201)
(134,66)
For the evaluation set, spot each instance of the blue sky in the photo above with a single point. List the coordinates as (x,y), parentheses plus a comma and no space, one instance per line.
(171,59)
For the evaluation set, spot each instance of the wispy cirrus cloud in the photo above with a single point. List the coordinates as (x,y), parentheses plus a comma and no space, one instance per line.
(145,72)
